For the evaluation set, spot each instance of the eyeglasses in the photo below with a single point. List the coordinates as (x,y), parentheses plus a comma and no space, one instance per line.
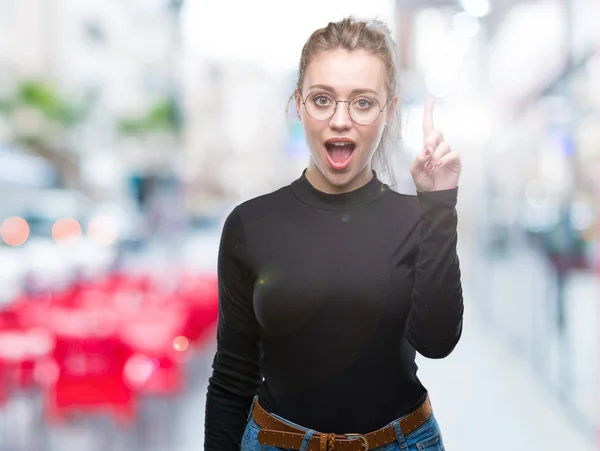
(363,110)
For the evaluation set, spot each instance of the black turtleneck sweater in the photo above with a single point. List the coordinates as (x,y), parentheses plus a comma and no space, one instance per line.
(324,299)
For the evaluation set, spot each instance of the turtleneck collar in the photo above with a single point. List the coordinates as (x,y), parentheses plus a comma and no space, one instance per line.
(367,193)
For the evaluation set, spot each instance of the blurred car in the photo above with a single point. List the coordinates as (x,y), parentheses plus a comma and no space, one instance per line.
(66,234)
(119,223)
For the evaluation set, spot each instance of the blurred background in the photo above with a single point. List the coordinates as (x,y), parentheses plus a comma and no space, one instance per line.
(129,129)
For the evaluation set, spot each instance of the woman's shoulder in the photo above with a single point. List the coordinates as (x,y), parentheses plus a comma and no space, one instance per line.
(399,205)
(402,195)
(263,203)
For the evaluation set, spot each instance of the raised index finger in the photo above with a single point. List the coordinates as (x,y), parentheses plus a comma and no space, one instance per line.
(428,118)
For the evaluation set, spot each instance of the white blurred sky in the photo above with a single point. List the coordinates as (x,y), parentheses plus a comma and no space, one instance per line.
(269,32)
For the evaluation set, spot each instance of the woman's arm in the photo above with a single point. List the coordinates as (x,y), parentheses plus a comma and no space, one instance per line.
(434,324)
(236,373)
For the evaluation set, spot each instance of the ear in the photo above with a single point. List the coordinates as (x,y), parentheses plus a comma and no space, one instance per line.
(298,99)
(391,109)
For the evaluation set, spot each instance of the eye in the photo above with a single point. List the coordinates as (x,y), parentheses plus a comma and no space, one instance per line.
(321,100)
(363,103)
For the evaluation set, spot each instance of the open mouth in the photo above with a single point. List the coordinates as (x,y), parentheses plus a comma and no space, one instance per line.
(339,152)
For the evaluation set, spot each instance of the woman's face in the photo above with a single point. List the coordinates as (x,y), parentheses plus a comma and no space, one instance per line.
(342,149)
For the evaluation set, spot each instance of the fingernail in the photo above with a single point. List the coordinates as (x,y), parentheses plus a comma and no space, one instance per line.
(428,165)
(427,152)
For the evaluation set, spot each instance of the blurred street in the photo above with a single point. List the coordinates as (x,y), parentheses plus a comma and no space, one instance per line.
(488,381)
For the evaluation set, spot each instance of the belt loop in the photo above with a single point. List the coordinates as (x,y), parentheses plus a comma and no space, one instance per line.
(400,435)
(254,401)
(306,440)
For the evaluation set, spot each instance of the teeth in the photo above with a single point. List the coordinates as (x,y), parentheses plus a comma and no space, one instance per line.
(339,144)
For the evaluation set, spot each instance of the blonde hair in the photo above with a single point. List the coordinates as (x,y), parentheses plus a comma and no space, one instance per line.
(373,36)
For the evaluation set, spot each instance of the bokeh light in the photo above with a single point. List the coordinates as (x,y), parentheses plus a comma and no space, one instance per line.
(14,231)
(103,231)
(138,369)
(476,8)
(180,343)
(66,229)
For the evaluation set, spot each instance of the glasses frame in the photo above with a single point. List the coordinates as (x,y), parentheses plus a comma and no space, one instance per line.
(349,102)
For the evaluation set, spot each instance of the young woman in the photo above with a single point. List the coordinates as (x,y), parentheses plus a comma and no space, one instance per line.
(329,286)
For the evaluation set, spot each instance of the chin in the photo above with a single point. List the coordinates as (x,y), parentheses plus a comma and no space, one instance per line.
(336,178)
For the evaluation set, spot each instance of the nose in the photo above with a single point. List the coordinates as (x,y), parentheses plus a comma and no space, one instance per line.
(341,118)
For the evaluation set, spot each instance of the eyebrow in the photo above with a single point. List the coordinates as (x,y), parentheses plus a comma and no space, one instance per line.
(355,91)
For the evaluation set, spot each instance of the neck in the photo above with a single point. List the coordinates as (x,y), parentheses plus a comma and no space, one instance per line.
(321,183)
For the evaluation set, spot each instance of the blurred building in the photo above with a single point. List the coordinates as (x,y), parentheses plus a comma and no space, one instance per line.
(235,131)
(119,58)
(526,116)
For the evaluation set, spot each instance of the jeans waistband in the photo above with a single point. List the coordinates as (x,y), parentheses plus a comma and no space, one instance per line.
(279,431)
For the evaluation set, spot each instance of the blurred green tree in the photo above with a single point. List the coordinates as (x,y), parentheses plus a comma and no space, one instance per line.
(40,119)
(162,116)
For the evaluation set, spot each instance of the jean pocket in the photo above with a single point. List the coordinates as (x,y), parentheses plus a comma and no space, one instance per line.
(428,437)
(249,440)
(433,443)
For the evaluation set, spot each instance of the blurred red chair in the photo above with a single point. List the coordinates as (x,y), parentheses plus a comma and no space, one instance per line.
(22,345)
(157,365)
(90,361)
(200,296)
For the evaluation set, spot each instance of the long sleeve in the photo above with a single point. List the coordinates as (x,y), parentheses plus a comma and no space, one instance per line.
(434,324)
(236,375)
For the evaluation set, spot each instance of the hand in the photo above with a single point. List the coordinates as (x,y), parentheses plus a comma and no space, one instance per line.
(436,167)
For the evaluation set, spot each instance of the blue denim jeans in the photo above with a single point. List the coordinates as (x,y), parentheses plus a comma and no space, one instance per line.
(427,437)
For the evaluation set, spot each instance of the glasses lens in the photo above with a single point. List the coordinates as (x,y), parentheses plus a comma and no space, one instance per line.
(320,106)
(364,110)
